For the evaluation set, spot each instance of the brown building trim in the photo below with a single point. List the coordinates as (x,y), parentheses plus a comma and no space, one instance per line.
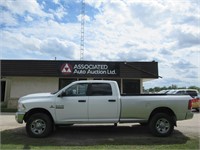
(54,68)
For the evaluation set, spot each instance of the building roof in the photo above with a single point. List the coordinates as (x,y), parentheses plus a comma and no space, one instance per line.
(65,68)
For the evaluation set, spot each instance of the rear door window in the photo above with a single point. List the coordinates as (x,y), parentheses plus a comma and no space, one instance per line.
(100,89)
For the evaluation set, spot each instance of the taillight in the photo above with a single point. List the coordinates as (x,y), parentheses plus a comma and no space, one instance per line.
(190,104)
(196,100)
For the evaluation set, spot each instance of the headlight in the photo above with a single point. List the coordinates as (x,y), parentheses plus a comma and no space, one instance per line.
(21,107)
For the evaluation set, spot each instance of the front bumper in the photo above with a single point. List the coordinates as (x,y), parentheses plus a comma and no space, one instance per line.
(19,117)
(189,115)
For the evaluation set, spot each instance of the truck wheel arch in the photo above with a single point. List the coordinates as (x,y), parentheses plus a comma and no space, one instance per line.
(37,110)
(164,110)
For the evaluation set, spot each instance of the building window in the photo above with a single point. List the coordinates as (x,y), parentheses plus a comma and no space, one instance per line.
(131,86)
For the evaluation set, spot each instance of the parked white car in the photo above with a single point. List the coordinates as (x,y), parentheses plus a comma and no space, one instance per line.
(192,92)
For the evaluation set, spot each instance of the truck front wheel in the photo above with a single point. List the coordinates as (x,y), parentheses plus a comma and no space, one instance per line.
(39,125)
(161,124)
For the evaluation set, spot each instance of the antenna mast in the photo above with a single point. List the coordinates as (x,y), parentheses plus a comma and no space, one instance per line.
(82,30)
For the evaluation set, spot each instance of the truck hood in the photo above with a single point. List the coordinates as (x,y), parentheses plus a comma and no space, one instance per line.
(36,96)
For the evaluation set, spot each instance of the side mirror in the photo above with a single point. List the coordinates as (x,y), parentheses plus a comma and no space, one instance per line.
(62,94)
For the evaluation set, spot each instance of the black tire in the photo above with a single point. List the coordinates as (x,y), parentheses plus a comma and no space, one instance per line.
(39,125)
(161,125)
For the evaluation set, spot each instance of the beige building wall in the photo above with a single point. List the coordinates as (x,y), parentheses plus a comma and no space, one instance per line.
(21,86)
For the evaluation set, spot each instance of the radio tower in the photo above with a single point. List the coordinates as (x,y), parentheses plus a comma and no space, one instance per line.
(82,30)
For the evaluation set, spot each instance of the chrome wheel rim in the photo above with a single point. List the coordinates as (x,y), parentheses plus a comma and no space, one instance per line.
(38,126)
(162,125)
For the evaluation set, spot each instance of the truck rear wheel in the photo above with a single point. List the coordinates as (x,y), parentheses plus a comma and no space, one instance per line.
(161,124)
(39,125)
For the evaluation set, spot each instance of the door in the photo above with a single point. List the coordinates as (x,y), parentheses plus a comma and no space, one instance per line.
(103,106)
(3,87)
(131,86)
(72,105)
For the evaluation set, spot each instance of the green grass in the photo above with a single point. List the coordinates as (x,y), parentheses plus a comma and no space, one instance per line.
(189,145)
(103,138)
(8,110)
(5,109)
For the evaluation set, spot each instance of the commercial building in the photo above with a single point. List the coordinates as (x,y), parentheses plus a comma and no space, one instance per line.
(22,77)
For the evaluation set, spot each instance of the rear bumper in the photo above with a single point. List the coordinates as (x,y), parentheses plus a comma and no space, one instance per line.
(19,117)
(189,115)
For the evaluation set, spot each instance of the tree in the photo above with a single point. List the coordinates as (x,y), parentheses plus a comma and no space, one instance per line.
(194,87)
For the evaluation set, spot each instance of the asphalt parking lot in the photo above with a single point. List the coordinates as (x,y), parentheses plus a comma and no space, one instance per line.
(190,128)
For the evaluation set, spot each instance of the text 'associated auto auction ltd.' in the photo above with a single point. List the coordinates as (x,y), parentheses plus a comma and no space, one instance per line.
(88,69)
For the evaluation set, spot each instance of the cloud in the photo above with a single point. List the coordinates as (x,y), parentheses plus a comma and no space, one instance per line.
(20,7)
(28,18)
(166,52)
(7,19)
(56,1)
(192,74)
(183,64)
(185,69)
(146,14)
(185,39)
(134,55)
(165,31)
(23,46)
(86,18)
(191,20)
(55,47)
(59,12)
(169,81)
(17,13)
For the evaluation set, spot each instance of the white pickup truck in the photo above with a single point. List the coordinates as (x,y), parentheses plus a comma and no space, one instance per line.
(100,102)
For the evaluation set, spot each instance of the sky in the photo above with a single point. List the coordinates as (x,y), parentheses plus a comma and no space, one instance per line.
(165,31)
